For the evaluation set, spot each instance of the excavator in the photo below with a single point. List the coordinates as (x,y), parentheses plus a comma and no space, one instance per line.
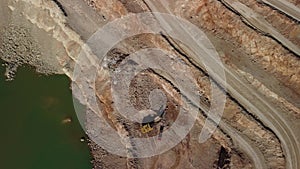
(150,120)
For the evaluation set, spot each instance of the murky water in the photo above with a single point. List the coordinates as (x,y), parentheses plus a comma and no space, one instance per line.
(32,133)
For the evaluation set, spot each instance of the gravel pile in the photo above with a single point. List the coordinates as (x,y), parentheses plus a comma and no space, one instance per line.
(18,47)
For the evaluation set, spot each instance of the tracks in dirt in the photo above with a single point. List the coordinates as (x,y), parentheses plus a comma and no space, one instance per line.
(245,94)
(259,23)
(285,7)
(242,91)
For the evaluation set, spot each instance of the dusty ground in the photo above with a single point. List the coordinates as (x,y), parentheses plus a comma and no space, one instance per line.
(49,36)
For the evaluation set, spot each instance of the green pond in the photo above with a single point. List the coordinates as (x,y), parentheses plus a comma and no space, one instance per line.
(32,133)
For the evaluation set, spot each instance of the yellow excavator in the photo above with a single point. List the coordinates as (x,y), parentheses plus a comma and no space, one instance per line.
(151,120)
(146,128)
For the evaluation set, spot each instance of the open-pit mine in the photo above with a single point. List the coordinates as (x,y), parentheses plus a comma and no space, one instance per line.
(179,84)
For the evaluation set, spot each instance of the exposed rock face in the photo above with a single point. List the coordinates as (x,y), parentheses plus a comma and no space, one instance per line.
(261,49)
(244,138)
